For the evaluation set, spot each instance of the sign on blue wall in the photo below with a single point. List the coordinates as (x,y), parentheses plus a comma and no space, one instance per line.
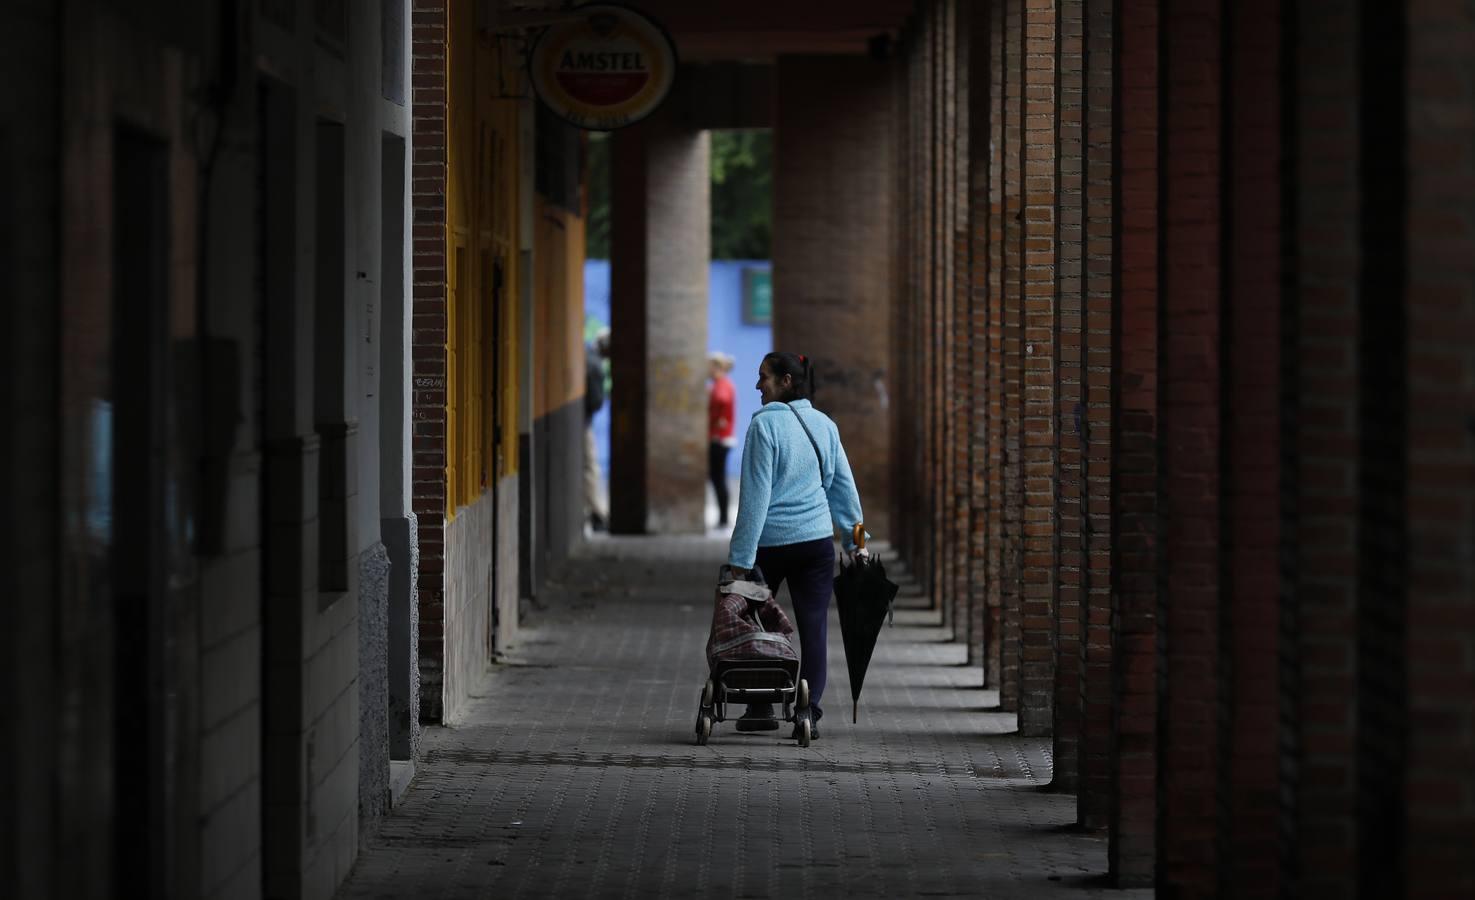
(757,296)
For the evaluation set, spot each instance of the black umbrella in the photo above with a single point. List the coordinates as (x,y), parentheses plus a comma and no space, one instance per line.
(864,597)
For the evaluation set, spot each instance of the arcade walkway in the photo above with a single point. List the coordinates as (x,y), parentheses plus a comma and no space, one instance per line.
(574,773)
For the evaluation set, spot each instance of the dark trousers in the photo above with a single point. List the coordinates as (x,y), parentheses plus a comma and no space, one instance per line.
(809,567)
(717,471)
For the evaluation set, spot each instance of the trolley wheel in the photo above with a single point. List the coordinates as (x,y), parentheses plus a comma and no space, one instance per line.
(803,703)
(704,730)
(804,732)
(708,690)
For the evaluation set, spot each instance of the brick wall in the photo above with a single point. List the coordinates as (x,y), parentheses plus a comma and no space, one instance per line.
(1189,447)
(1135,464)
(428,338)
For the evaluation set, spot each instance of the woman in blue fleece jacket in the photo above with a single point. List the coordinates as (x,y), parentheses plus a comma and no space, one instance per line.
(794,493)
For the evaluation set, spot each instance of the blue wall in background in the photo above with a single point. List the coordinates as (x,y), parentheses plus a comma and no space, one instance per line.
(748,344)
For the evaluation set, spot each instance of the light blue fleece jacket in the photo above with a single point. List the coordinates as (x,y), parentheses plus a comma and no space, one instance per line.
(781,500)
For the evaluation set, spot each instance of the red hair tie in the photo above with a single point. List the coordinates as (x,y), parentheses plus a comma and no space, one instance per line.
(803,358)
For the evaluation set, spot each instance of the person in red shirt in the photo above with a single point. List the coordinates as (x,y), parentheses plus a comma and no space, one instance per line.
(721,428)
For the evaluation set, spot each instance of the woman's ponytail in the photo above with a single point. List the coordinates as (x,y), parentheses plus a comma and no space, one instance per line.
(798,367)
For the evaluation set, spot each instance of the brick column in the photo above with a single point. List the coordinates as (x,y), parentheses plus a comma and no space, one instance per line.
(994,639)
(428,341)
(932,255)
(1011,562)
(834,251)
(1037,665)
(906,465)
(974,65)
(1094,792)
(1319,455)
(1069,385)
(1135,467)
(658,329)
(911,469)
(1439,793)
(1189,429)
(962,397)
(1251,446)
(937,305)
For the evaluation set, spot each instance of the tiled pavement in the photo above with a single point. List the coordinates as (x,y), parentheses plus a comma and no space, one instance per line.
(574,773)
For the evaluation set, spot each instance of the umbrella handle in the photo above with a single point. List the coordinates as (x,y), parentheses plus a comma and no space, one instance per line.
(858,534)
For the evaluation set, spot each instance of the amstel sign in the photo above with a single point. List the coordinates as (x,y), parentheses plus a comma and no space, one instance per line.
(607,67)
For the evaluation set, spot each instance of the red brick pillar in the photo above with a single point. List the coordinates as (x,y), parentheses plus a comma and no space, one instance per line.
(926,342)
(1248,785)
(975,33)
(1189,425)
(912,462)
(660,253)
(908,469)
(428,341)
(1094,791)
(1037,623)
(1069,384)
(1011,572)
(1439,791)
(994,630)
(972,251)
(936,250)
(1135,465)
(943,304)
(962,399)
(833,251)
(1319,453)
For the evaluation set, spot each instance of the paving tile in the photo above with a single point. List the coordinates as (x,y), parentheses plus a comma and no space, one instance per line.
(573,771)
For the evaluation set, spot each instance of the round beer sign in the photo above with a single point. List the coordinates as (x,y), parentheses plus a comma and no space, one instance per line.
(607,67)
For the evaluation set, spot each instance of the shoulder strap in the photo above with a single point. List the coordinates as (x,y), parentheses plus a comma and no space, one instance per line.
(819,457)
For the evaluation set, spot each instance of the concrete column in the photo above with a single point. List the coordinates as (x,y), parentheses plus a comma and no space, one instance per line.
(661,246)
(833,252)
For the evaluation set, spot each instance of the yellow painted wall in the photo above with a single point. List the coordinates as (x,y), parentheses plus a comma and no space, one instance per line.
(558,298)
(482,193)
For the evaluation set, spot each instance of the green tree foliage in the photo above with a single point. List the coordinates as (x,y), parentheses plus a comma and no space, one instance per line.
(742,195)
(596,236)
